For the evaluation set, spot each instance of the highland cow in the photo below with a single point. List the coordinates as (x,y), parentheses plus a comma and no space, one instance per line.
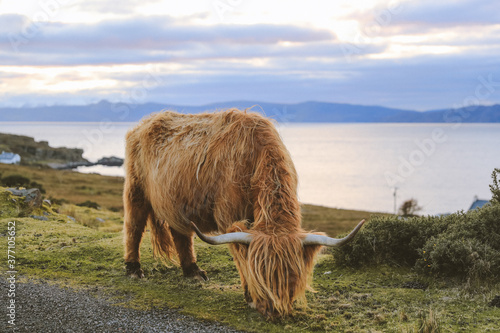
(226,173)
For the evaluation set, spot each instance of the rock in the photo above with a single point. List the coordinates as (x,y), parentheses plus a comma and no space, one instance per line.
(111,161)
(495,302)
(41,218)
(47,201)
(107,161)
(98,219)
(414,285)
(32,196)
(69,165)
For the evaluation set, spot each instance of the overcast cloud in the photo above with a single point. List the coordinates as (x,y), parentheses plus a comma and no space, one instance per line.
(411,54)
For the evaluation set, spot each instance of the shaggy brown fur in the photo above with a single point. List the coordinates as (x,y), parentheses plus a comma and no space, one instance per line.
(225,171)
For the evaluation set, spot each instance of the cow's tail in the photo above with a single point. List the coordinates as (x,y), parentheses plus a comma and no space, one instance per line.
(162,241)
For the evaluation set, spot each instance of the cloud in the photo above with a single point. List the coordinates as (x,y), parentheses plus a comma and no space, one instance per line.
(422,83)
(144,39)
(199,63)
(100,6)
(424,16)
(450,13)
(12,23)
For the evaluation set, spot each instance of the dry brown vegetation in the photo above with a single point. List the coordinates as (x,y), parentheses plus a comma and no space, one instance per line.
(73,186)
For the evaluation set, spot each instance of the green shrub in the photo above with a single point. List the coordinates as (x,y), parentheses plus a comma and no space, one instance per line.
(15,181)
(90,204)
(495,187)
(116,209)
(21,181)
(470,247)
(56,201)
(465,258)
(464,245)
(389,240)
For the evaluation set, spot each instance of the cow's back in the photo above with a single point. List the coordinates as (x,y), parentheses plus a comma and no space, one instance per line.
(198,167)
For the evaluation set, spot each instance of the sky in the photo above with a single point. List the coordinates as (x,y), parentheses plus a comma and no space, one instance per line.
(415,55)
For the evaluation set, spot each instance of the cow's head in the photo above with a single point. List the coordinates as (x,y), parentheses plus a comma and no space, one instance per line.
(274,267)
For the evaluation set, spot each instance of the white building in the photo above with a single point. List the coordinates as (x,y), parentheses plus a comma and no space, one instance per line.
(9,158)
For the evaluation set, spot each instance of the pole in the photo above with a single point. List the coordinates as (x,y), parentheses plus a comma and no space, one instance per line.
(395,197)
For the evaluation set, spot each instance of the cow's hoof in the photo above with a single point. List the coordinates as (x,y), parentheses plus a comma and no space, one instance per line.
(249,299)
(134,270)
(193,271)
(201,275)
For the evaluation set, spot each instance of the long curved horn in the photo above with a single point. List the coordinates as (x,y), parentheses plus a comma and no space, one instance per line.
(232,237)
(312,239)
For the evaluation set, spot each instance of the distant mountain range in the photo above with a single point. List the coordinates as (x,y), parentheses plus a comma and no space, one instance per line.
(300,112)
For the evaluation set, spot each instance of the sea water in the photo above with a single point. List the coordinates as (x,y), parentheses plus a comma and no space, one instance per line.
(351,166)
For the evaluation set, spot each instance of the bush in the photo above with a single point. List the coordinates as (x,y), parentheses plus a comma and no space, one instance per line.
(56,201)
(116,209)
(21,181)
(15,181)
(470,247)
(495,187)
(464,245)
(90,204)
(389,240)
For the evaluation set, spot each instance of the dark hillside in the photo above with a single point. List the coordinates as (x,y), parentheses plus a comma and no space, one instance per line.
(105,111)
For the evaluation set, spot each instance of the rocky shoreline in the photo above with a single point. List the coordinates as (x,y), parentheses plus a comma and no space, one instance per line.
(106,161)
(40,153)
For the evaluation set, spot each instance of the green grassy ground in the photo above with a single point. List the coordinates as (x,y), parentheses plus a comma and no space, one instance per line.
(87,253)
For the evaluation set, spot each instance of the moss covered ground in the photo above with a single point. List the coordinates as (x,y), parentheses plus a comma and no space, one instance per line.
(85,252)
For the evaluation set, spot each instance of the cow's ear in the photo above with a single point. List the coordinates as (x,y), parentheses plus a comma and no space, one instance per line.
(311,251)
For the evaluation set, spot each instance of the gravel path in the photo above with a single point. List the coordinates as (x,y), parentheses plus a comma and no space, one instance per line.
(41,307)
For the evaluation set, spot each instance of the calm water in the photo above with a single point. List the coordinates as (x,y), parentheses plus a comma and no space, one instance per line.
(354,166)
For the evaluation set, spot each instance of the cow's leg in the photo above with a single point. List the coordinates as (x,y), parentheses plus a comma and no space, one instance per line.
(187,256)
(137,212)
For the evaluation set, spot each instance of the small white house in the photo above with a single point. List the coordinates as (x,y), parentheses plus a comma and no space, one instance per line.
(9,158)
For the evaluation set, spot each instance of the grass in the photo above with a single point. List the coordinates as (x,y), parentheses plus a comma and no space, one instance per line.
(73,186)
(333,221)
(84,254)
(345,300)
